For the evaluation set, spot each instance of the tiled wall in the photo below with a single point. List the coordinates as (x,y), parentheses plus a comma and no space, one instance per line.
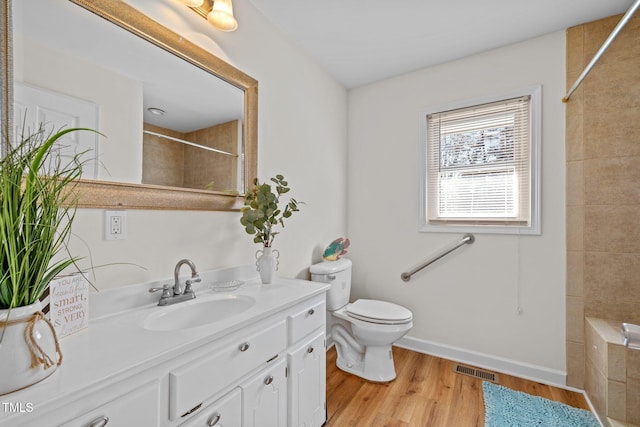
(162,159)
(171,163)
(612,376)
(210,170)
(603,183)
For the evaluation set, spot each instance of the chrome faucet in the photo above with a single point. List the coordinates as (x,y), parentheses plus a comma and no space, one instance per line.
(176,282)
(178,295)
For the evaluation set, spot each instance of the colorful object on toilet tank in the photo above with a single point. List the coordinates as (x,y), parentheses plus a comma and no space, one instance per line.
(337,248)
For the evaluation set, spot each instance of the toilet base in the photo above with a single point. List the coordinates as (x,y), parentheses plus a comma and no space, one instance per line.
(376,365)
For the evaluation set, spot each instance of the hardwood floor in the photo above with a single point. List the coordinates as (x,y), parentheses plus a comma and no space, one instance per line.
(426,392)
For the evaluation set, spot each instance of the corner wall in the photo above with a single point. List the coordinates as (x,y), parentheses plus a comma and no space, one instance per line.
(500,302)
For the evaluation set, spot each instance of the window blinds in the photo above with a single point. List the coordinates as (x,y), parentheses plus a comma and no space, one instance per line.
(479,164)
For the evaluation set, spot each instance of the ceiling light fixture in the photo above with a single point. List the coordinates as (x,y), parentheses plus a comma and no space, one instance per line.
(219,13)
(156,111)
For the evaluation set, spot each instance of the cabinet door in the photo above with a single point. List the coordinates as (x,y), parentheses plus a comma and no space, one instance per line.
(264,398)
(307,383)
(139,407)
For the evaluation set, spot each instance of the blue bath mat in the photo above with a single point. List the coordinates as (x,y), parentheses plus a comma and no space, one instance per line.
(508,408)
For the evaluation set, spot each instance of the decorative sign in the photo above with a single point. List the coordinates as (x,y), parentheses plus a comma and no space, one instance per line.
(69,304)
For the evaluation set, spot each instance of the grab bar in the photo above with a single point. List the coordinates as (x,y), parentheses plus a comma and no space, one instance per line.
(467,239)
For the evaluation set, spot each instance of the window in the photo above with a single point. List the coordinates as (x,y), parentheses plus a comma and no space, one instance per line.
(481,165)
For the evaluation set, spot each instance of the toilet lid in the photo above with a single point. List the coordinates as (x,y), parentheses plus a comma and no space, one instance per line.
(375,311)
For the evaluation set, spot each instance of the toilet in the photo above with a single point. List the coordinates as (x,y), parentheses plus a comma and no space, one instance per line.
(363,331)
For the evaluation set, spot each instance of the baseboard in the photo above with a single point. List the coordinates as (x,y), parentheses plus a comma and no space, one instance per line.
(506,366)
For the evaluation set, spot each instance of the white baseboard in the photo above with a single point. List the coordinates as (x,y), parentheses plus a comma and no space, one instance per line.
(506,366)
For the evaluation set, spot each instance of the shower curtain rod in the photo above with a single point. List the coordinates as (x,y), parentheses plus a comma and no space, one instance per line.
(193,144)
(627,16)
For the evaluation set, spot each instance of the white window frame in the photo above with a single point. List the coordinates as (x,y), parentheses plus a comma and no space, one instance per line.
(534,226)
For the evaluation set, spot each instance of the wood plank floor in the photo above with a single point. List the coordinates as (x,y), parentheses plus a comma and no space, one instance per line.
(426,392)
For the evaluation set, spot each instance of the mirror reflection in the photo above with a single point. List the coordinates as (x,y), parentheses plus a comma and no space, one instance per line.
(166,121)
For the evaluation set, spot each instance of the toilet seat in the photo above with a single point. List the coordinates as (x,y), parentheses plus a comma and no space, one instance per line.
(380,312)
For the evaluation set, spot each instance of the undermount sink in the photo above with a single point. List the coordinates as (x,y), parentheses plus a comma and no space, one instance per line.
(197,313)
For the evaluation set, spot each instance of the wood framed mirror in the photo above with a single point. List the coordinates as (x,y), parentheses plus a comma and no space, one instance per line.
(100,193)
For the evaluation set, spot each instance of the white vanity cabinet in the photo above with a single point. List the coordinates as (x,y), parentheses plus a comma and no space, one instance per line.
(221,365)
(264,398)
(262,369)
(306,359)
(127,403)
(287,387)
(259,401)
(226,411)
(307,385)
(139,407)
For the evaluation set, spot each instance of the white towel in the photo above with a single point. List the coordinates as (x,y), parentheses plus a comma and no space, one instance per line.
(631,335)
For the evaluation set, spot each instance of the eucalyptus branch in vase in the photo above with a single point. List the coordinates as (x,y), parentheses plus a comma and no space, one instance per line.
(261,211)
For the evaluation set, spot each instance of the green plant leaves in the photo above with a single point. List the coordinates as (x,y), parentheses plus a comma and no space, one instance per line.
(37,207)
(261,210)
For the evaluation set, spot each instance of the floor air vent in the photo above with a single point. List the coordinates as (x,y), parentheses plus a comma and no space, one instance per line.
(475,372)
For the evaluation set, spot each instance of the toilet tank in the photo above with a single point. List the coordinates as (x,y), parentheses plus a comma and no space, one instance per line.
(338,275)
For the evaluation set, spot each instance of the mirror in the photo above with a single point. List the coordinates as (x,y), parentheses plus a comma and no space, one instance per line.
(199,155)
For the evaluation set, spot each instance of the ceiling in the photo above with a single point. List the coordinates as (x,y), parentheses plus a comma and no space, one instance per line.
(362,42)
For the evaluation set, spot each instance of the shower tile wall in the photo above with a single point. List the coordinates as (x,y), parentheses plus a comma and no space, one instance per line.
(603,183)
(169,163)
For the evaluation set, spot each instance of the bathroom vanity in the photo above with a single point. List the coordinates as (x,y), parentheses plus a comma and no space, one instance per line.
(254,356)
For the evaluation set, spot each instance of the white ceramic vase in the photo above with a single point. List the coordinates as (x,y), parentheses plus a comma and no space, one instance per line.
(15,357)
(267,263)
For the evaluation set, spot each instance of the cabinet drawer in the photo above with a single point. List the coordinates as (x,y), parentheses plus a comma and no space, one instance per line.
(194,382)
(136,408)
(226,411)
(306,321)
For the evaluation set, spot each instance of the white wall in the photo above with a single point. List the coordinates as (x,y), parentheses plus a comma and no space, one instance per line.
(119,101)
(466,305)
(301,134)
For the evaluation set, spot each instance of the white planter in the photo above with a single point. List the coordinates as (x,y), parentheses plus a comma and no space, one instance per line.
(15,357)
(267,263)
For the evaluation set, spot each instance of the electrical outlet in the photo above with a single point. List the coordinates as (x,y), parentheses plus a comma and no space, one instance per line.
(115,225)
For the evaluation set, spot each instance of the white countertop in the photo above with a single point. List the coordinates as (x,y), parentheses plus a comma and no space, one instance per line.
(116,346)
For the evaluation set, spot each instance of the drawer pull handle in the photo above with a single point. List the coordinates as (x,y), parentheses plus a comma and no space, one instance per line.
(99,422)
(214,419)
(244,346)
(268,380)
(311,311)
(310,350)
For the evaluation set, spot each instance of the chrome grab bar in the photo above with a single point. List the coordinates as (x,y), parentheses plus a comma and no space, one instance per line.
(467,239)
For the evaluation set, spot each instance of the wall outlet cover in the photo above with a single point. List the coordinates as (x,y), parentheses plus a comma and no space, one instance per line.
(115,225)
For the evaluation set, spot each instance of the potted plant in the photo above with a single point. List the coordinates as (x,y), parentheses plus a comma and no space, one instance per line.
(260,214)
(37,207)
